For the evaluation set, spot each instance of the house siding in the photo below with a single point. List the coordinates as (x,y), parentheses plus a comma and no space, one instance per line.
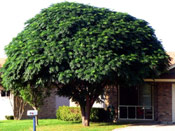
(6,103)
(163,102)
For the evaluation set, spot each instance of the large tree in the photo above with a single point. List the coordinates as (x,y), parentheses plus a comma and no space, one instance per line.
(80,49)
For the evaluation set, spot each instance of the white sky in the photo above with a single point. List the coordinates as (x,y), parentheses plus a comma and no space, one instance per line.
(159,13)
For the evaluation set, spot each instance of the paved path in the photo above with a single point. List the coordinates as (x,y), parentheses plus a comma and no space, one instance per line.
(148,128)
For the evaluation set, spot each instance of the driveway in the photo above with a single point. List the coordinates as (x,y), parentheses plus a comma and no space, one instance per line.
(158,127)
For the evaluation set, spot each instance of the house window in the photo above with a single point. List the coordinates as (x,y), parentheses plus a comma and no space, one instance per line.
(136,102)
(2,93)
(5,93)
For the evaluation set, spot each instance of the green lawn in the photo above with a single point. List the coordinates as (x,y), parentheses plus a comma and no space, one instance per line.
(54,125)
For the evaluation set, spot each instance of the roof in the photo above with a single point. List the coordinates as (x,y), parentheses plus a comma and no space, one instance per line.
(172,62)
(172,56)
(2,61)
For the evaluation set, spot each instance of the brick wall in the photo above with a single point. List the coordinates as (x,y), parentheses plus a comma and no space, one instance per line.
(163,102)
(48,110)
(111,97)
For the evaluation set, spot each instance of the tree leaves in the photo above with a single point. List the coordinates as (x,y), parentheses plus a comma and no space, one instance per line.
(74,41)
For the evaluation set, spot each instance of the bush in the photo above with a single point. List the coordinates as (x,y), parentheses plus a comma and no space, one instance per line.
(67,113)
(9,117)
(99,115)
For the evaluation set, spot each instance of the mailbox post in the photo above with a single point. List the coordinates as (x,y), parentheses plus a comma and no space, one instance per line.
(33,113)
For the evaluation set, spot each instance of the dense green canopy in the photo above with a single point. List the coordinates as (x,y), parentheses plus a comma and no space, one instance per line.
(69,40)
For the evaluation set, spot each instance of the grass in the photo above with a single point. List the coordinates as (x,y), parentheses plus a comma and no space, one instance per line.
(54,125)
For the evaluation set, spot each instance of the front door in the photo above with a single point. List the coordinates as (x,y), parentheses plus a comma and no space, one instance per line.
(136,102)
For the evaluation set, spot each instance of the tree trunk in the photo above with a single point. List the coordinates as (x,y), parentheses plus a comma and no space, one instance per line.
(18,108)
(85,112)
(85,117)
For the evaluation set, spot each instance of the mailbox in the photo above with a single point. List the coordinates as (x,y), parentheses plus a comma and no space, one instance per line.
(32,113)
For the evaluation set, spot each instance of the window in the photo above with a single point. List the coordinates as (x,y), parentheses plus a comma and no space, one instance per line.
(5,93)
(2,93)
(145,95)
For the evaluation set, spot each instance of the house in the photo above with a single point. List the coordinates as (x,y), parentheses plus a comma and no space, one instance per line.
(153,101)
(13,106)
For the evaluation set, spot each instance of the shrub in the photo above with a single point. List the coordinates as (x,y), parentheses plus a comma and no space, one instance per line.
(99,115)
(67,113)
(9,117)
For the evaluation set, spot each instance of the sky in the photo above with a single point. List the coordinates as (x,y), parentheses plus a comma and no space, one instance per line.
(158,13)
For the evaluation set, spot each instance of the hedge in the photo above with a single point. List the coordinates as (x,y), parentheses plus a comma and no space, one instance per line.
(9,117)
(69,114)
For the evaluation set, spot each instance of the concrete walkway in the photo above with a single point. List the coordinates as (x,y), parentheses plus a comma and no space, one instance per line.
(158,127)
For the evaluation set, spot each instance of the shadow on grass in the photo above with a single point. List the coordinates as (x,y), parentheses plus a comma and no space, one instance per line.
(107,124)
(56,122)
